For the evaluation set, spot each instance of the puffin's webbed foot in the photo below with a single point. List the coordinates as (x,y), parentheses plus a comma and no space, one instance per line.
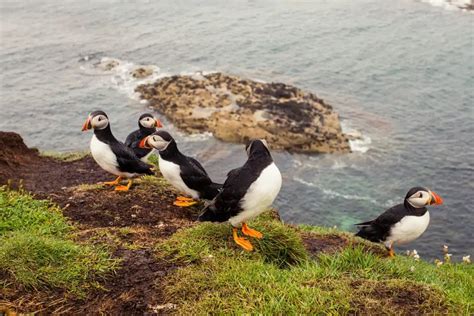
(241,241)
(391,253)
(183,201)
(124,187)
(115,182)
(251,232)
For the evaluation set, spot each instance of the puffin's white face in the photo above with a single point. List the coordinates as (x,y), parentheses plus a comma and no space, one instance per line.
(154,141)
(99,121)
(423,198)
(148,122)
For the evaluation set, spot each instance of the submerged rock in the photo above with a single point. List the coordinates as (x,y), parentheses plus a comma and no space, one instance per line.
(236,110)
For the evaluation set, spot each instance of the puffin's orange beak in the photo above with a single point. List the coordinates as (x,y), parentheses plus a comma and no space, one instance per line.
(143,143)
(87,125)
(435,199)
(158,123)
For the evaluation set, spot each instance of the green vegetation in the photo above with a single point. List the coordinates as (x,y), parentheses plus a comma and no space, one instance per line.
(36,249)
(281,277)
(65,156)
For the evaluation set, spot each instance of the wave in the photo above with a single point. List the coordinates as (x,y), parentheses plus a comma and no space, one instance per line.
(335,194)
(452,5)
(358,141)
(124,76)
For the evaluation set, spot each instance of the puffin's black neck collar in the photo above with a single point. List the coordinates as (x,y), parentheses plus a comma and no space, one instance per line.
(171,151)
(105,135)
(414,210)
(147,130)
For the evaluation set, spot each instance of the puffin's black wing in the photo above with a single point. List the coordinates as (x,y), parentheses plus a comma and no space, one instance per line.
(227,202)
(195,177)
(128,162)
(378,229)
(196,164)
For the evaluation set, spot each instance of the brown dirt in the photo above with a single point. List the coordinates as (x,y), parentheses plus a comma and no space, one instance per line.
(130,222)
(385,298)
(330,243)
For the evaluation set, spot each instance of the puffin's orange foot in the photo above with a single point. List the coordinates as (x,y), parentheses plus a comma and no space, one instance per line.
(241,241)
(251,232)
(391,253)
(115,182)
(124,187)
(184,198)
(184,203)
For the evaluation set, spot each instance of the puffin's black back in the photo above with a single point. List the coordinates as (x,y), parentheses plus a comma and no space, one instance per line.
(378,229)
(192,172)
(227,203)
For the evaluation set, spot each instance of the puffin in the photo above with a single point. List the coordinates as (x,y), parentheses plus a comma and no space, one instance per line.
(247,192)
(401,223)
(147,125)
(184,173)
(112,155)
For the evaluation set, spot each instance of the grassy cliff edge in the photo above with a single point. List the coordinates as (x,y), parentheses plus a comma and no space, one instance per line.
(47,250)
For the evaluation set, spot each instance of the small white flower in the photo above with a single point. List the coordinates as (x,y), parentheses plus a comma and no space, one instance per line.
(134,215)
(415,252)
(438,262)
(412,268)
(466,259)
(416,256)
(408,253)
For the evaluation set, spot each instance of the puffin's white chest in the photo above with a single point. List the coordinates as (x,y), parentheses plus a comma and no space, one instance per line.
(172,173)
(260,195)
(104,156)
(409,228)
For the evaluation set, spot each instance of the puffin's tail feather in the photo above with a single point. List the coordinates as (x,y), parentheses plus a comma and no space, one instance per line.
(364,223)
(210,213)
(368,232)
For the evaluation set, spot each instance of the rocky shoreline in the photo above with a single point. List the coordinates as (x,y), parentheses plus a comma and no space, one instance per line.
(234,109)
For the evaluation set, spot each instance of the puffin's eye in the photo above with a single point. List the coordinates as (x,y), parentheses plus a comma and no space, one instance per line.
(421,194)
(100,119)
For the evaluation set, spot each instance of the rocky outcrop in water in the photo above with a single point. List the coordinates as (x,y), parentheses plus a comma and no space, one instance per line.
(236,109)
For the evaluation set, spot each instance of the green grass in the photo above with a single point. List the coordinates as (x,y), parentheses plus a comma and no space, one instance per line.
(65,156)
(36,249)
(280,277)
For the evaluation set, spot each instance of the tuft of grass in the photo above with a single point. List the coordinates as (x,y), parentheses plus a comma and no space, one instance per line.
(279,277)
(280,246)
(20,212)
(37,251)
(36,260)
(65,156)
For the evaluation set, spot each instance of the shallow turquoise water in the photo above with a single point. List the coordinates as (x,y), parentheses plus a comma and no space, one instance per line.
(400,72)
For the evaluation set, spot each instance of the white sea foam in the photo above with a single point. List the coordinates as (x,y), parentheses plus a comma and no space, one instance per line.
(335,194)
(450,4)
(359,142)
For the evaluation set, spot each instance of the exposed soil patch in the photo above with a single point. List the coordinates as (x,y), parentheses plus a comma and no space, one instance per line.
(42,175)
(330,243)
(394,298)
(316,244)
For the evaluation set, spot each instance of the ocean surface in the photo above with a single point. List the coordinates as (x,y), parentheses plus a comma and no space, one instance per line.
(399,72)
